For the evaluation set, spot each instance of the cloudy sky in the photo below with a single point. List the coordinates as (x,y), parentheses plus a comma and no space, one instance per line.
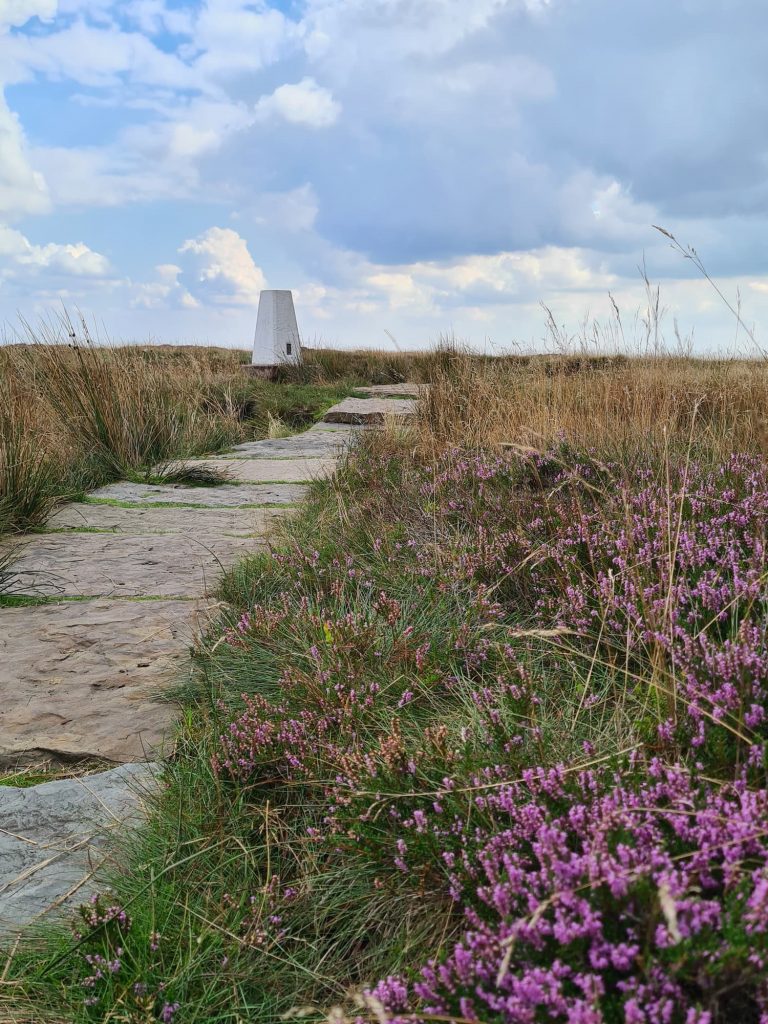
(414,167)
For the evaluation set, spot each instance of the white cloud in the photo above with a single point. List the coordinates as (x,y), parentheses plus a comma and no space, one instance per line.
(154,17)
(348,31)
(601,208)
(94,56)
(22,189)
(401,289)
(93,176)
(19,255)
(236,37)
(508,274)
(294,211)
(166,291)
(153,160)
(97,10)
(310,294)
(222,267)
(189,131)
(305,103)
(477,281)
(18,12)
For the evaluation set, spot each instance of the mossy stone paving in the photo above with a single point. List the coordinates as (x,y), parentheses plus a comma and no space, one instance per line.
(392,390)
(54,835)
(318,442)
(237,522)
(370,410)
(229,495)
(261,471)
(83,679)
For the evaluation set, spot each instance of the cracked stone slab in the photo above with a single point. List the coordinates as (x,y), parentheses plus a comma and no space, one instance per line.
(199,522)
(256,471)
(370,410)
(318,444)
(54,839)
(352,429)
(124,565)
(405,390)
(82,679)
(226,495)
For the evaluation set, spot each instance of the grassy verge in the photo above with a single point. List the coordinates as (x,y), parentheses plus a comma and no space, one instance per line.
(482,739)
(23,778)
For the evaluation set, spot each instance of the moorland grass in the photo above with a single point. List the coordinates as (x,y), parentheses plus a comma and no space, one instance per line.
(428,628)
(77,415)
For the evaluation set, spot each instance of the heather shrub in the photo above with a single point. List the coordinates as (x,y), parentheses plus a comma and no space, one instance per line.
(556,611)
(103,931)
(655,579)
(595,899)
(669,576)
(480,739)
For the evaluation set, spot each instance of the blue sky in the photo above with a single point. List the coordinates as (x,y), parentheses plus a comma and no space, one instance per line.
(415,167)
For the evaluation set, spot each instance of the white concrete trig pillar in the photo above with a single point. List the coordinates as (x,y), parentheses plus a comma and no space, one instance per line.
(277,333)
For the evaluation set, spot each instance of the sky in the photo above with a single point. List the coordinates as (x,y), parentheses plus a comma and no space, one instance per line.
(411,169)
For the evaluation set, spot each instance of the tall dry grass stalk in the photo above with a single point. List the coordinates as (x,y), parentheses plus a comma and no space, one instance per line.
(33,456)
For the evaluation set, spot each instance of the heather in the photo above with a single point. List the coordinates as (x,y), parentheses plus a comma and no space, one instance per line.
(600,900)
(567,894)
(481,739)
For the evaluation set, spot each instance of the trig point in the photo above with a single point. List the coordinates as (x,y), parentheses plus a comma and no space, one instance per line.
(277,333)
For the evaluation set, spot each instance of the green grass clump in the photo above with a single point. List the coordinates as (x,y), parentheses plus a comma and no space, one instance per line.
(26,777)
(188,474)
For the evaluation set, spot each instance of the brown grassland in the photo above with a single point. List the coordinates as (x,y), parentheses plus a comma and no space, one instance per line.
(74,416)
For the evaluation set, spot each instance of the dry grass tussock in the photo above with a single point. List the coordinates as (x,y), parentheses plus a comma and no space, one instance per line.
(616,405)
(75,416)
(363,366)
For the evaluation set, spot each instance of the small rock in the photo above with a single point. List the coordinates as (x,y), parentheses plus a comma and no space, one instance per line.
(53,838)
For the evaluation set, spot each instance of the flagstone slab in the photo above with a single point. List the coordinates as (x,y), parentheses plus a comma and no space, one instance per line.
(124,565)
(404,390)
(334,428)
(268,470)
(370,410)
(224,496)
(315,444)
(53,839)
(199,522)
(85,679)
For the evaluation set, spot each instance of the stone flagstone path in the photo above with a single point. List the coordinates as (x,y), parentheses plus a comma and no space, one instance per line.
(128,575)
